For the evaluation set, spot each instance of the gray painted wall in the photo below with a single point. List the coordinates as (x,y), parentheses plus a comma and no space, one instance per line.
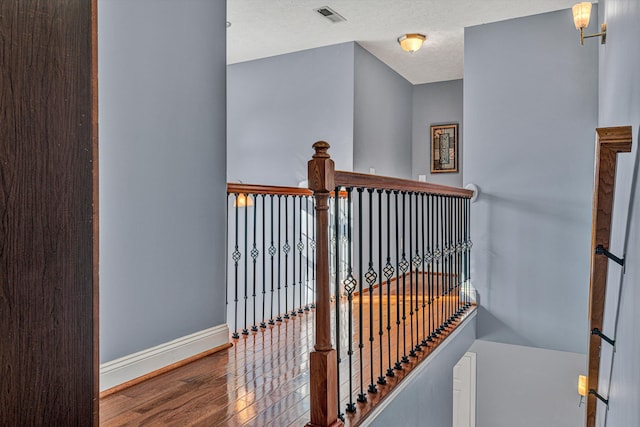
(435,104)
(279,106)
(620,105)
(530,111)
(527,387)
(382,118)
(427,399)
(162,171)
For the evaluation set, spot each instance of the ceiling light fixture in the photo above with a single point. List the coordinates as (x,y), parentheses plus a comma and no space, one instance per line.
(581,16)
(411,42)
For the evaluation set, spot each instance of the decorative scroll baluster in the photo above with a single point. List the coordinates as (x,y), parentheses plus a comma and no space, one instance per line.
(264,263)
(412,279)
(371,277)
(313,253)
(293,313)
(430,272)
(286,248)
(362,397)
(425,331)
(272,253)
(381,379)
(279,318)
(350,284)
(246,260)
(397,364)
(254,254)
(404,266)
(388,274)
(417,260)
(308,240)
(437,219)
(236,257)
(338,292)
(300,247)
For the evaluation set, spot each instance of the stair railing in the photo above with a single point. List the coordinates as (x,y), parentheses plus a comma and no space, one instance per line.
(610,142)
(403,287)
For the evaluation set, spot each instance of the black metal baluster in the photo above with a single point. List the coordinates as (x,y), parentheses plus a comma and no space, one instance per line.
(447,259)
(286,248)
(381,378)
(245,331)
(306,232)
(349,285)
(236,257)
(459,251)
(254,254)
(417,259)
(425,332)
(443,269)
(451,260)
(300,247)
(264,265)
(437,258)
(404,266)
(279,318)
(397,365)
(293,259)
(362,397)
(226,261)
(272,253)
(313,251)
(430,266)
(412,279)
(468,250)
(388,274)
(371,277)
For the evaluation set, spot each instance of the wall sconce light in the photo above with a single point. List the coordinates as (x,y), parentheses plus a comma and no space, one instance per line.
(581,16)
(411,42)
(582,385)
(242,201)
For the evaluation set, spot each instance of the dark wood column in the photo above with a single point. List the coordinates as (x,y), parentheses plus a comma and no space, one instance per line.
(48,177)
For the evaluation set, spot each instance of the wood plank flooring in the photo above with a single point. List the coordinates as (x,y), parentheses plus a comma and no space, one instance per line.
(263,379)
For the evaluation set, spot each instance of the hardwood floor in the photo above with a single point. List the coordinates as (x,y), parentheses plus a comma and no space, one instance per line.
(263,379)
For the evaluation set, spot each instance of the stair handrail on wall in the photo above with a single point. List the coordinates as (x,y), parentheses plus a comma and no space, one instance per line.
(610,142)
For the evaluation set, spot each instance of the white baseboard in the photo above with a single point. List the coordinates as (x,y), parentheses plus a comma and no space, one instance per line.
(135,365)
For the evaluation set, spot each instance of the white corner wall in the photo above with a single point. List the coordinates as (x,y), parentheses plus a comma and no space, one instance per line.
(162,113)
(527,387)
(530,110)
(620,106)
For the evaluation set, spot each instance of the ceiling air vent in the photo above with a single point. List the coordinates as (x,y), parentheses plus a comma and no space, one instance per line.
(330,14)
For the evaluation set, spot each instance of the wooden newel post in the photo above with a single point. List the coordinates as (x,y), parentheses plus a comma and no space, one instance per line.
(323,361)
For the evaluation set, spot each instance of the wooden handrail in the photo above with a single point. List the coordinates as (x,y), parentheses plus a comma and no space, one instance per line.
(267,189)
(352,179)
(611,141)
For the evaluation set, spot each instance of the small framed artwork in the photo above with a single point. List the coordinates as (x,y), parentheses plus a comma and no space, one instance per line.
(444,148)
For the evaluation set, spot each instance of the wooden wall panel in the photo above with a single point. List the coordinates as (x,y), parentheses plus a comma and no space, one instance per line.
(48,295)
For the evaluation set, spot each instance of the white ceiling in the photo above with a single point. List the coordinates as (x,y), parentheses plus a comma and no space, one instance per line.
(262,28)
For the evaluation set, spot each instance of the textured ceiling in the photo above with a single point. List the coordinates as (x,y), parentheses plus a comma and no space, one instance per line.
(262,28)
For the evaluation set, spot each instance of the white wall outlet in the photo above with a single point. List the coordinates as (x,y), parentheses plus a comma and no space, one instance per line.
(422,178)
(372,171)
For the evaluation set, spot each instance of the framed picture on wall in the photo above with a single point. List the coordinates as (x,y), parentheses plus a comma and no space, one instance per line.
(444,148)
